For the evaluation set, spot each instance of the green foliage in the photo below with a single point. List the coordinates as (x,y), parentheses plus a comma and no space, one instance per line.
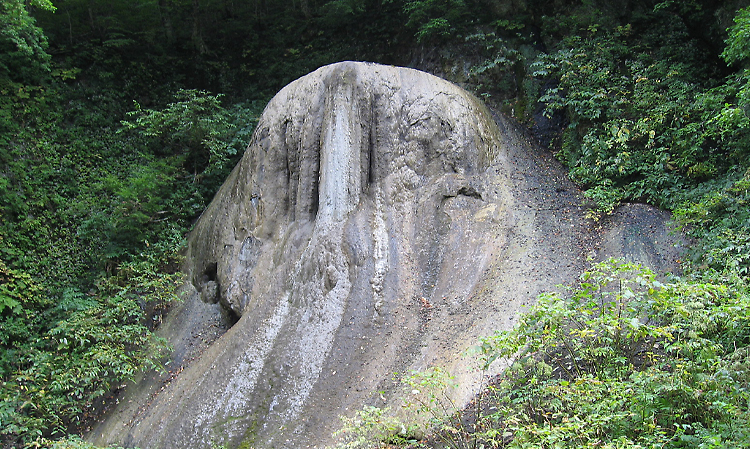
(606,198)
(22,42)
(338,13)
(196,127)
(648,118)
(55,369)
(428,412)
(182,154)
(428,398)
(22,301)
(595,324)
(641,127)
(621,360)
(71,442)
(372,427)
(719,221)
(624,360)
(92,220)
(92,215)
(498,70)
(24,66)
(434,18)
(17,291)
(738,41)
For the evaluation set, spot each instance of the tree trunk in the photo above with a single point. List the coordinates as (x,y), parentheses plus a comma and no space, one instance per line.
(92,20)
(70,29)
(229,8)
(305,6)
(165,11)
(200,46)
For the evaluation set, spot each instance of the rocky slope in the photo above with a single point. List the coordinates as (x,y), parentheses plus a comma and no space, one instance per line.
(381,220)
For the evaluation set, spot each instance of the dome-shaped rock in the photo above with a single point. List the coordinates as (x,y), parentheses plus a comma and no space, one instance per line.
(378,222)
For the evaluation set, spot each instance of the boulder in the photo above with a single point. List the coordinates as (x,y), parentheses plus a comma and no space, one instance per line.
(380,221)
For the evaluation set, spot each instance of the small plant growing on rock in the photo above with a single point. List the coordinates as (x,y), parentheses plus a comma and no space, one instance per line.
(373,427)
(432,418)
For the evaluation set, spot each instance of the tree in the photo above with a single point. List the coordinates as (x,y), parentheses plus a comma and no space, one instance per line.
(24,61)
(23,45)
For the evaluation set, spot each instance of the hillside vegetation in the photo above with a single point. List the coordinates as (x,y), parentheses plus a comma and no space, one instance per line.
(120,119)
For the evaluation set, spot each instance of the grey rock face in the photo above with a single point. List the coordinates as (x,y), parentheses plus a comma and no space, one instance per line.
(379,221)
(348,140)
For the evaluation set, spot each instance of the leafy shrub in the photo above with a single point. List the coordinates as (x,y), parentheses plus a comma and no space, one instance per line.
(648,120)
(720,222)
(71,442)
(198,129)
(428,413)
(92,220)
(621,360)
(427,397)
(434,18)
(498,70)
(372,427)
(624,360)
(54,371)
(738,46)
(24,46)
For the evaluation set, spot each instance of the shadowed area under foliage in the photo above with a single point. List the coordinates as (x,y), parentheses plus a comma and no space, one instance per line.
(380,221)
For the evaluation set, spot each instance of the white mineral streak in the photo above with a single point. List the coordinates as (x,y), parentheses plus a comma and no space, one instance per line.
(380,251)
(321,311)
(246,371)
(316,326)
(339,165)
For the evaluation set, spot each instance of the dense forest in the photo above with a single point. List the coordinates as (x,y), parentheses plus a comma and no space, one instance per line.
(120,119)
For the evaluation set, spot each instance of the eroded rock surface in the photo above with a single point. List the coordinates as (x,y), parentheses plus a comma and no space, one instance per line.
(379,222)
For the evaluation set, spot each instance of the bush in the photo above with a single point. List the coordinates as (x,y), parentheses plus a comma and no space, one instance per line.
(720,221)
(648,118)
(372,427)
(434,18)
(624,360)
(58,361)
(197,129)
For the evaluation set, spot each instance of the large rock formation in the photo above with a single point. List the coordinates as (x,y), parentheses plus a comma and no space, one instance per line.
(379,222)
